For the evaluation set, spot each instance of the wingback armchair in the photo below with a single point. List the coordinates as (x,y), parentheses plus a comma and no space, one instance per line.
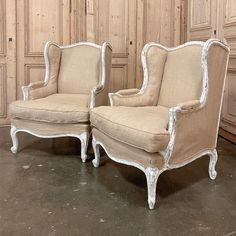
(173,119)
(76,80)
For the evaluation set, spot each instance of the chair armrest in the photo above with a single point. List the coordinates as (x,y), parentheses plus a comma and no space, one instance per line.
(189,105)
(127,92)
(26,90)
(98,96)
(129,97)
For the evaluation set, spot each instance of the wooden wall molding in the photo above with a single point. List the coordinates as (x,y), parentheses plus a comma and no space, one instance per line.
(197,6)
(2,28)
(28,31)
(119,79)
(3,87)
(28,69)
(230,16)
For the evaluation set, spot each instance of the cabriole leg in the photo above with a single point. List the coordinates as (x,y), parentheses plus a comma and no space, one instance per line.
(152,175)
(96,160)
(212,164)
(14,138)
(84,138)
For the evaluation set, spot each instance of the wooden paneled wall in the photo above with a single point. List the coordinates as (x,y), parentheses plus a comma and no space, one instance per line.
(217,19)
(7,57)
(128,25)
(26,25)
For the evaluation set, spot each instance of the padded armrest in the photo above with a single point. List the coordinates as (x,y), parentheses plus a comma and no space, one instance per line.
(124,92)
(36,84)
(98,96)
(129,97)
(27,89)
(189,105)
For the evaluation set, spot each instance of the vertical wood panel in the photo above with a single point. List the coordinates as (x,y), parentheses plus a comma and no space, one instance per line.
(217,18)
(115,22)
(37,23)
(158,21)
(227,32)
(202,19)
(7,57)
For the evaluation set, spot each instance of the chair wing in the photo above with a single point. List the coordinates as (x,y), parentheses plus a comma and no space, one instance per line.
(40,89)
(196,130)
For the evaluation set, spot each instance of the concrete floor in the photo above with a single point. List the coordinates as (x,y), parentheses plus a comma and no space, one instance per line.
(47,192)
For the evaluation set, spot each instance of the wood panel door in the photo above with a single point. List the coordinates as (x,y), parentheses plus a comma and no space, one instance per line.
(7,58)
(127,26)
(114,21)
(202,19)
(157,21)
(37,23)
(227,32)
(217,18)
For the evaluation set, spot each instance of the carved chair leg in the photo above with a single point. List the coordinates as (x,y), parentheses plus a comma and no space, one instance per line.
(152,175)
(212,164)
(14,138)
(84,138)
(96,160)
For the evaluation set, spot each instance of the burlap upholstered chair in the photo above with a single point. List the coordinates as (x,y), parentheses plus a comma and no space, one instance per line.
(173,119)
(76,80)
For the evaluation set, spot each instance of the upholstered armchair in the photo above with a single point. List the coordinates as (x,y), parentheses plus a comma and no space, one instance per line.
(76,80)
(173,119)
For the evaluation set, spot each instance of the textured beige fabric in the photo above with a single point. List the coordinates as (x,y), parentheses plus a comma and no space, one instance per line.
(182,79)
(36,91)
(156,59)
(101,98)
(196,128)
(79,70)
(189,104)
(56,108)
(197,131)
(124,152)
(141,127)
(173,77)
(128,91)
(45,128)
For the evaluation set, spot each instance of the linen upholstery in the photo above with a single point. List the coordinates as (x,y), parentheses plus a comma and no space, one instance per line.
(79,69)
(189,104)
(125,152)
(197,130)
(173,77)
(56,108)
(42,89)
(156,58)
(51,129)
(76,80)
(182,78)
(102,91)
(181,85)
(190,90)
(141,127)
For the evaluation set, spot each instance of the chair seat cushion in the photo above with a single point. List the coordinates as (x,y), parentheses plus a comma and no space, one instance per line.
(56,108)
(141,127)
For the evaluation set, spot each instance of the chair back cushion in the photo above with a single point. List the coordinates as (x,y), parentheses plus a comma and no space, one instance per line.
(80,69)
(182,78)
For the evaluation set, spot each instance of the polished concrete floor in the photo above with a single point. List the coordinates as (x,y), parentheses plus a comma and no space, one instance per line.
(46,190)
